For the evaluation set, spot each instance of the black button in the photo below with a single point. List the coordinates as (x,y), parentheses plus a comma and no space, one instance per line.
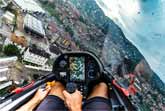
(63,63)
(71,87)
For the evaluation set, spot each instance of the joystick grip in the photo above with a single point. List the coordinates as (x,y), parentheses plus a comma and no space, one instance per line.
(71,87)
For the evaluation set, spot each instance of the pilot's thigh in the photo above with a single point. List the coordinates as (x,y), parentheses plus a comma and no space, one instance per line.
(97,104)
(52,103)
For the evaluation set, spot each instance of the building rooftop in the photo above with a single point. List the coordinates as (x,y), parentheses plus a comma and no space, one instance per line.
(6,62)
(20,40)
(34,24)
(52,27)
(8,15)
(54,49)
(39,52)
(29,5)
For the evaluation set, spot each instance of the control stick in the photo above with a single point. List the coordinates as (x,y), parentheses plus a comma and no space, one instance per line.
(71,87)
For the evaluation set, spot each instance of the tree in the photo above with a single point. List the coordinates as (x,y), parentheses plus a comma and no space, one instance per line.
(1,2)
(105,28)
(69,29)
(82,19)
(11,50)
(1,48)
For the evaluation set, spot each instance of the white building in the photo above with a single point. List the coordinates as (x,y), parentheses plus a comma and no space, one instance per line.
(36,56)
(28,6)
(4,73)
(5,63)
(34,26)
(0,22)
(8,18)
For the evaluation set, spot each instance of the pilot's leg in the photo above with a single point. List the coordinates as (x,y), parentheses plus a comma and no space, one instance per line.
(57,90)
(55,100)
(100,90)
(98,99)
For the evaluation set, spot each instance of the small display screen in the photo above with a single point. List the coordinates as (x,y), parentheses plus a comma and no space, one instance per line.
(77,68)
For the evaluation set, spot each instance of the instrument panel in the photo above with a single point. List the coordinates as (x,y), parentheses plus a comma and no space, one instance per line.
(78,68)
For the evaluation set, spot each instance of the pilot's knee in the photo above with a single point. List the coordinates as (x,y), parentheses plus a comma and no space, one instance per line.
(57,83)
(102,85)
